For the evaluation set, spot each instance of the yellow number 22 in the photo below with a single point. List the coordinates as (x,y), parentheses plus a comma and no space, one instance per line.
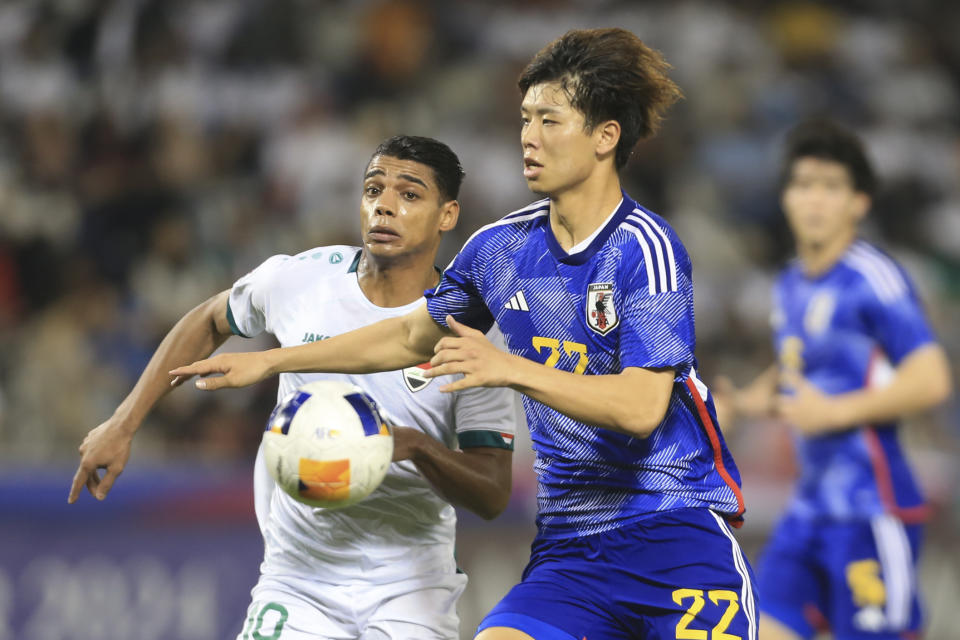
(719,632)
(569,347)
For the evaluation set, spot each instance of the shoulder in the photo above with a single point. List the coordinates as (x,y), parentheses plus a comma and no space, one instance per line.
(876,272)
(317,262)
(650,245)
(514,224)
(787,275)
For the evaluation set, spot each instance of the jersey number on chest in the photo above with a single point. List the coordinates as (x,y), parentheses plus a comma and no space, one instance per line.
(570,348)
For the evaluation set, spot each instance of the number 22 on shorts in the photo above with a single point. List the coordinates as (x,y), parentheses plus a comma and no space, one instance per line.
(716,596)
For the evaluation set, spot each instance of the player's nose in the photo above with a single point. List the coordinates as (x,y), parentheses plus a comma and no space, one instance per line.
(529,136)
(385,205)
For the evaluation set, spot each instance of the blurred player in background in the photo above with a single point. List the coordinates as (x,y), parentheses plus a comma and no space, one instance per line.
(856,354)
(383,568)
(594,296)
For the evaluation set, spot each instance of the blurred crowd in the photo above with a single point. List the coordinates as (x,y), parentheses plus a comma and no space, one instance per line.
(152,151)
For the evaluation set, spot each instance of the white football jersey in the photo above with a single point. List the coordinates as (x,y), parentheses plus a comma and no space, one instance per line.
(404,529)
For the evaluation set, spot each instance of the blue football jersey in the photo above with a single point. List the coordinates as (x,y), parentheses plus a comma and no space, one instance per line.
(625,300)
(845,330)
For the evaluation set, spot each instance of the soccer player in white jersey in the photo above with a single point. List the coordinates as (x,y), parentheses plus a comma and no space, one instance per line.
(383,568)
(855,354)
(594,296)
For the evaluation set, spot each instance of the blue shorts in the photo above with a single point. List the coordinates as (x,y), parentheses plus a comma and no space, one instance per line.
(674,574)
(856,578)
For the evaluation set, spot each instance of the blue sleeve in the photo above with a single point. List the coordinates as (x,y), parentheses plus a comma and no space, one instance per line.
(657,328)
(899,325)
(458,292)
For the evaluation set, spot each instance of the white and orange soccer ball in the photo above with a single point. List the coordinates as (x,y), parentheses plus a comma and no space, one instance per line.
(327,444)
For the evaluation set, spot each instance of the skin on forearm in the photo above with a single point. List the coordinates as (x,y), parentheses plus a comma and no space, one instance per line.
(756,400)
(633,402)
(921,381)
(196,335)
(388,345)
(477,478)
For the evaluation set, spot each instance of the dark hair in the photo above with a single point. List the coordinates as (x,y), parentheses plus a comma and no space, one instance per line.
(827,140)
(432,153)
(609,74)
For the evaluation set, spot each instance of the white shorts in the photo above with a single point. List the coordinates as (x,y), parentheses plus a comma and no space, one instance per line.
(296,609)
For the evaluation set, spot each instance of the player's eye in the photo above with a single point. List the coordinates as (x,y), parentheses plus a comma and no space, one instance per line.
(524,120)
(371,190)
(549,121)
(410,195)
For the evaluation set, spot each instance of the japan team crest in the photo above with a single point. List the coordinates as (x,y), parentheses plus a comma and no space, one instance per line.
(414,377)
(601,312)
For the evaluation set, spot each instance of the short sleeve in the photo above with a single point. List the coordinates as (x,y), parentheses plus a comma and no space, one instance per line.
(458,292)
(657,324)
(488,417)
(657,331)
(897,322)
(249,298)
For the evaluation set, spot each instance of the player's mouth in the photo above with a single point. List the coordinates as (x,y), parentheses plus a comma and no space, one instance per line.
(531,168)
(382,233)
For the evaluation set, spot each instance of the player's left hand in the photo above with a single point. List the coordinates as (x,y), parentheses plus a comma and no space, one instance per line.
(404,442)
(808,409)
(470,353)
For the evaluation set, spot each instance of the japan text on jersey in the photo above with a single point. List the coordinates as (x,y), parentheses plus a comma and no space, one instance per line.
(624,300)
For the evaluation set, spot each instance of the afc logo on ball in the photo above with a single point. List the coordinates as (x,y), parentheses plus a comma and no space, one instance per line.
(601,312)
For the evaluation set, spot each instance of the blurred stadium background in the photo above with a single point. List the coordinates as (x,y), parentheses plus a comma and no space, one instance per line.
(152,151)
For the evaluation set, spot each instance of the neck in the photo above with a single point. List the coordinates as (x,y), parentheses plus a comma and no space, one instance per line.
(396,282)
(817,258)
(577,212)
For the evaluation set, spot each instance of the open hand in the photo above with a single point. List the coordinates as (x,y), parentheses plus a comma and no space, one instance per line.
(238,369)
(470,353)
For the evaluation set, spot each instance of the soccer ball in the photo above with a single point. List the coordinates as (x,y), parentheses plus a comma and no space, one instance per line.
(327,445)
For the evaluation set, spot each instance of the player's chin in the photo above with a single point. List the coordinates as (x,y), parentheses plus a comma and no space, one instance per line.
(386,249)
(537,187)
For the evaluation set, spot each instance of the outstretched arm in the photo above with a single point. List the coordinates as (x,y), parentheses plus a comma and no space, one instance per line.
(196,335)
(387,345)
(633,402)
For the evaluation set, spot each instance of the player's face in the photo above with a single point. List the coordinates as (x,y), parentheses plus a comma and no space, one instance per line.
(558,152)
(402,212)
(820,201)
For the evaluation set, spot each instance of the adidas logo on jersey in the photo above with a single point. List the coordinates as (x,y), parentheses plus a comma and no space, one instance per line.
(517,302)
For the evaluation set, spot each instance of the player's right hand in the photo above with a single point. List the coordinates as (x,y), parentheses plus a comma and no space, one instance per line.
(238,369)
(105,447)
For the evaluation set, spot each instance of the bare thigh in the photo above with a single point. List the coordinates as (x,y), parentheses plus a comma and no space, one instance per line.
(771,629)
(502,633)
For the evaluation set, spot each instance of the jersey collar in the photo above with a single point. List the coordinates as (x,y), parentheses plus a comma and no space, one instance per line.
(599,238)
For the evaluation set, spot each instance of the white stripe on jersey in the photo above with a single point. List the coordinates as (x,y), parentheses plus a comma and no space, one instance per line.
(896,563)
(539,204)
(662,275)
(510,220)
(671,260)
(879,271)
(698,383)
(647,260)
(661,266)
(746,591)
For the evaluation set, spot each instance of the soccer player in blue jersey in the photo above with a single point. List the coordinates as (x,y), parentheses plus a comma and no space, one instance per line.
(855,355)
(593,294)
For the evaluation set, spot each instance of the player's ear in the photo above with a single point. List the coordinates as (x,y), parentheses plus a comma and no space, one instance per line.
(861,205)
(607,135)
(449,214)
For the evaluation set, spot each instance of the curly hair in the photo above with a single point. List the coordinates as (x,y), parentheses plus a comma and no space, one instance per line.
(608,74)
